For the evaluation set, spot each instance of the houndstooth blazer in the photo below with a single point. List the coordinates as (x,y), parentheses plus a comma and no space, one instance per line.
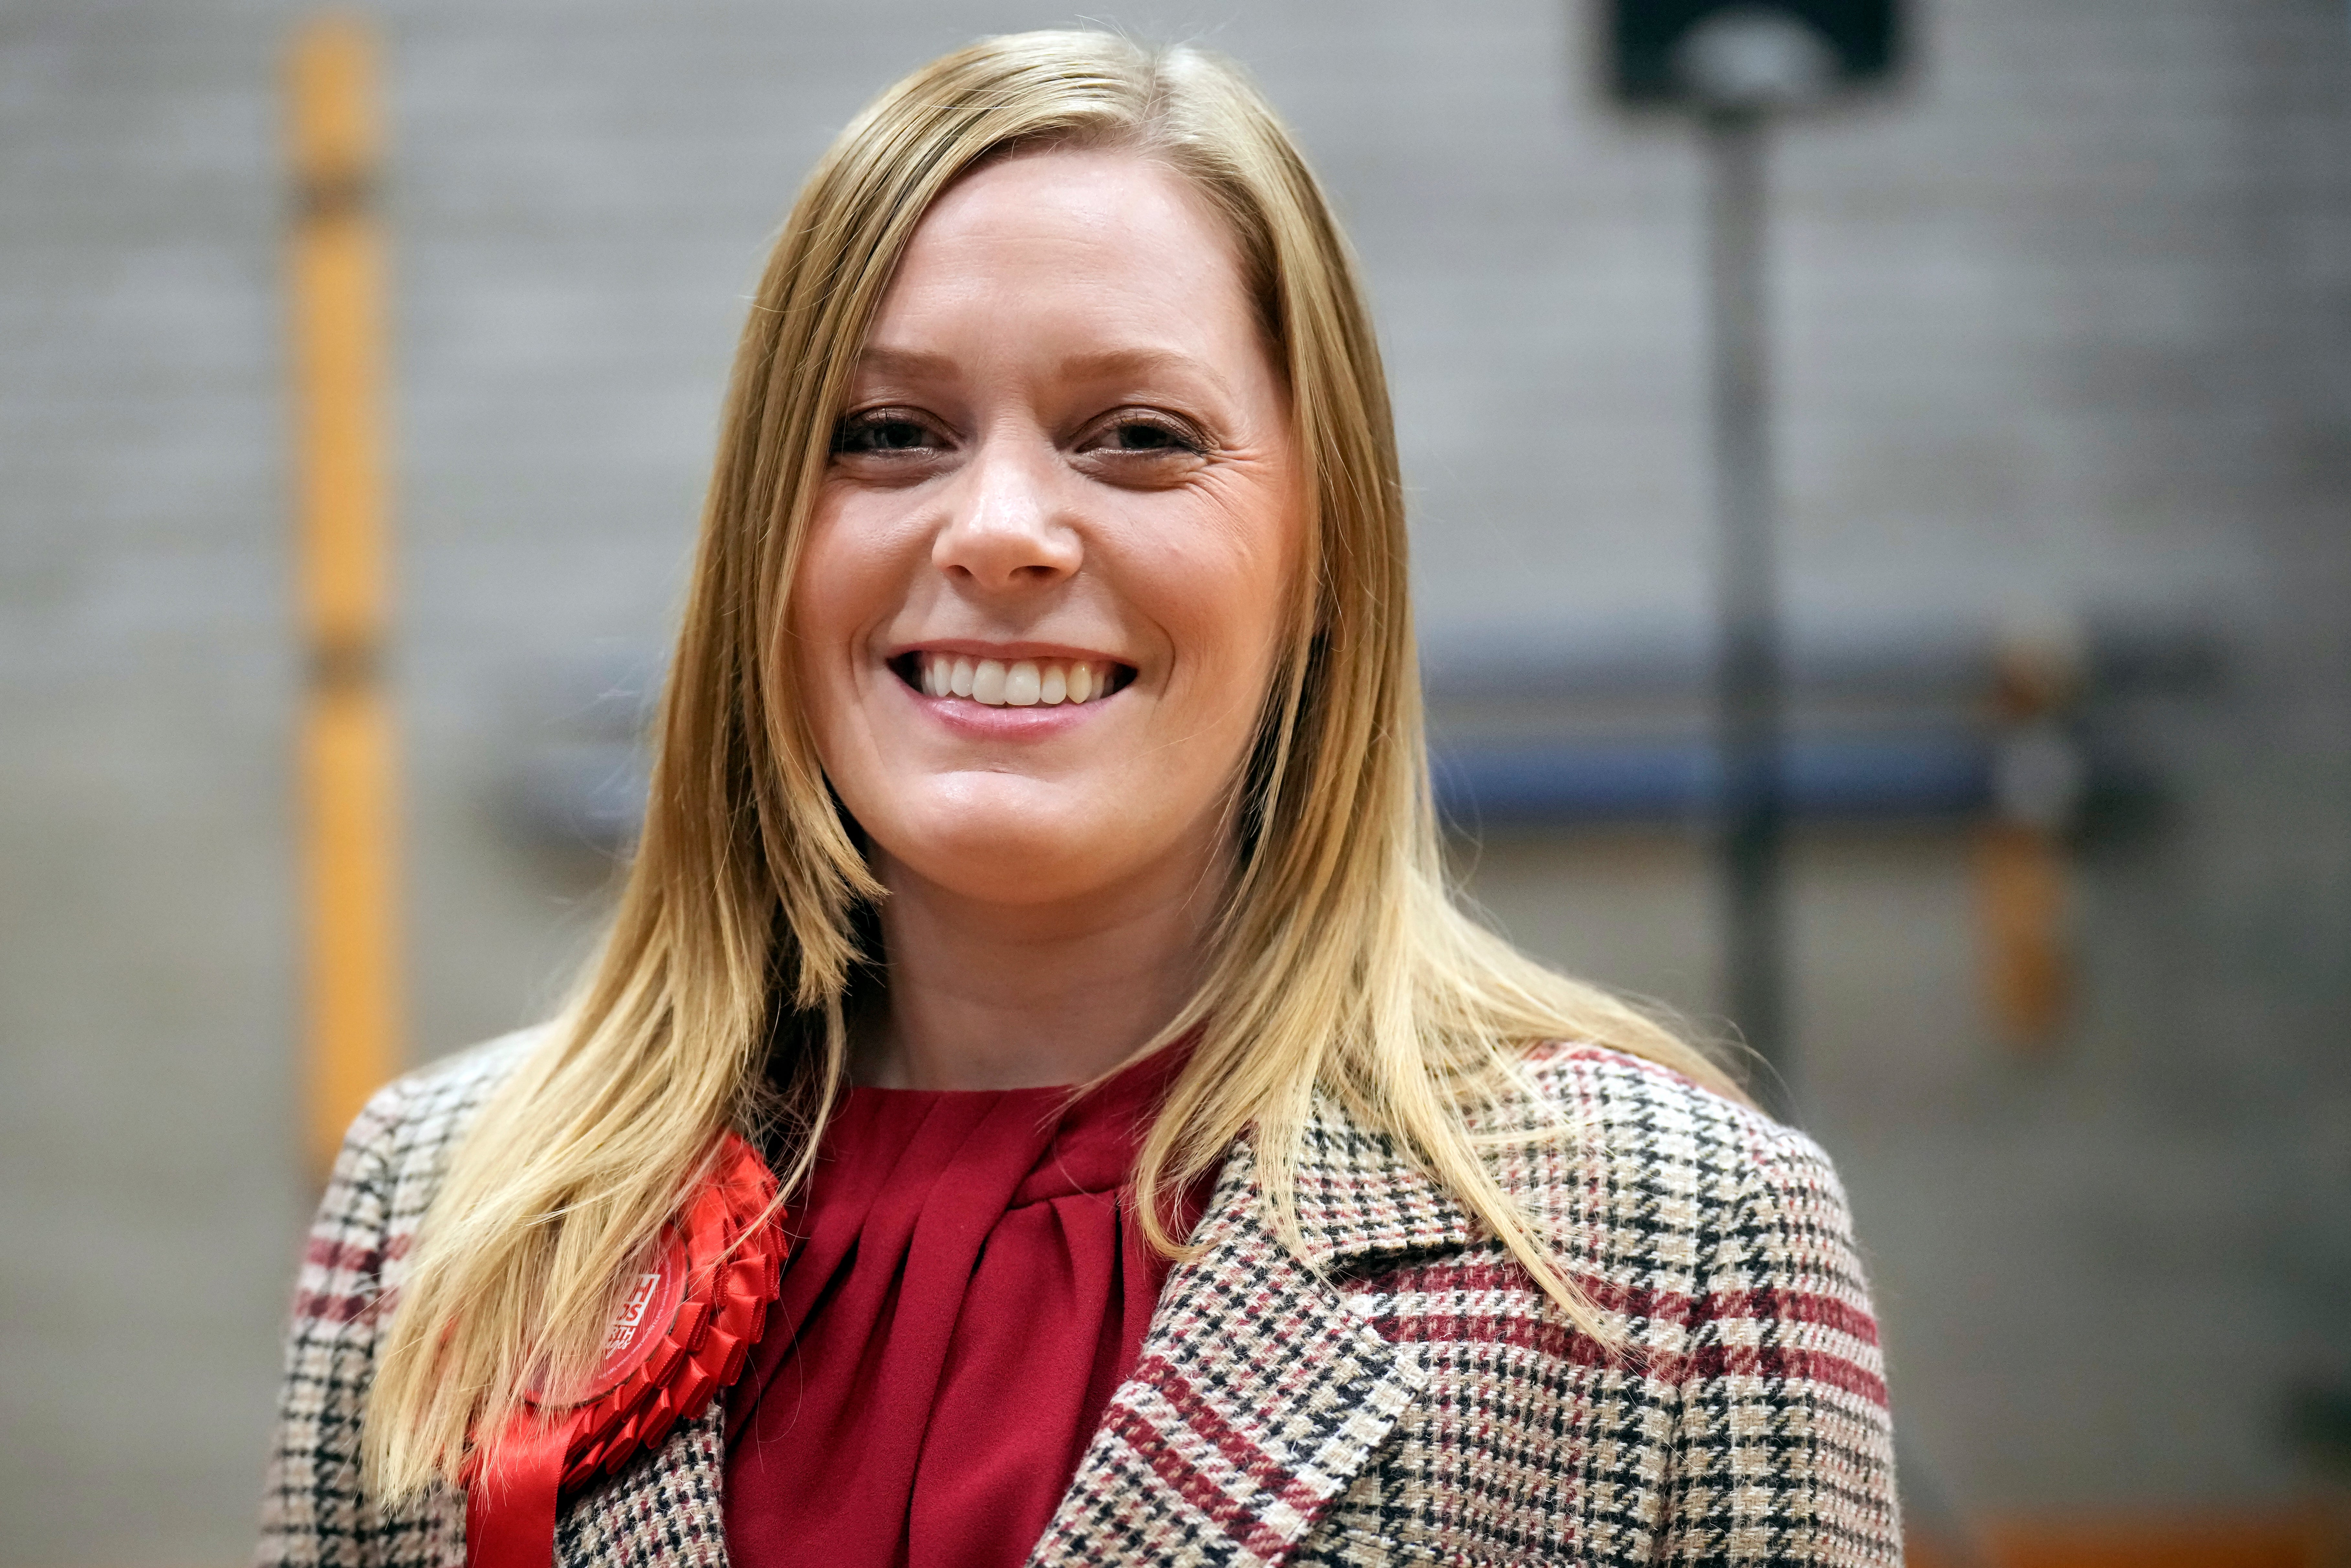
(1403,1393)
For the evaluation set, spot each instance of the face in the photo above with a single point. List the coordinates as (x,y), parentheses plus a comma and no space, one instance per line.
(1051,560)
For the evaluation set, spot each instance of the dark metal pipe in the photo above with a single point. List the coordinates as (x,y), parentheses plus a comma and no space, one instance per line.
(1748,675)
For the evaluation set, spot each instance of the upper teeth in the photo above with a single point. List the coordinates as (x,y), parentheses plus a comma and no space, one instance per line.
(1023,683)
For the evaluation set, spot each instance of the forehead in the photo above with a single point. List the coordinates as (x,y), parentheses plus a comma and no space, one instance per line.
(1109,245)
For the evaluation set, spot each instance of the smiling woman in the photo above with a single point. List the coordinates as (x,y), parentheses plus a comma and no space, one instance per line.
(1037,1100)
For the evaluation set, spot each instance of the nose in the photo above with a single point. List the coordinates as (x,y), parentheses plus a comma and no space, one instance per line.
(1006,529)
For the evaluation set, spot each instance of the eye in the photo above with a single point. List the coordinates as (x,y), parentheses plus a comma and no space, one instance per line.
(1145,435)
(881,431)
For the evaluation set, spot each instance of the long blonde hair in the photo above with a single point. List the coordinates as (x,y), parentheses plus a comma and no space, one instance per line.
(1339,965)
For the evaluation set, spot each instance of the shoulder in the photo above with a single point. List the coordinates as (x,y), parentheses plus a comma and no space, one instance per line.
(1718,1243)
(391,1165)
(1643,1160)
(423,1112)
(1634,1168)
(1708,1247)
(398,1147)
(1636,1118)
(1718,1296)
(353,1265)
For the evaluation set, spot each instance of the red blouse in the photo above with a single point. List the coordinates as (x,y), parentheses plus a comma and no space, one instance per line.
(965,1291)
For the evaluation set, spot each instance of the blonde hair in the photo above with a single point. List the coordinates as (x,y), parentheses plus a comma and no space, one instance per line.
(1339,964)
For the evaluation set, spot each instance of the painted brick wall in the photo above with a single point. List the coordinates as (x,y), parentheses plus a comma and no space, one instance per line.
(2065,324)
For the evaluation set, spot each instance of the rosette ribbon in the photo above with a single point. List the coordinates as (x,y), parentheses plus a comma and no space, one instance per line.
(686,1324)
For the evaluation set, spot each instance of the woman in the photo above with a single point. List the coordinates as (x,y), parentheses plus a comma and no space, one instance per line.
(1039,872)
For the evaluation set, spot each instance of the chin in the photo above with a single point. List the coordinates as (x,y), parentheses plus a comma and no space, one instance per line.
(1007,863)
(1000,838)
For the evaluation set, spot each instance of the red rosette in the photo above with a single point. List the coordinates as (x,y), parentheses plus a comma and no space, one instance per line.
(683,1332)
(733,1266)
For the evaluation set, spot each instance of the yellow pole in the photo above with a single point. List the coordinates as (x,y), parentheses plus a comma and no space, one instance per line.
(2022,871)
(336,272)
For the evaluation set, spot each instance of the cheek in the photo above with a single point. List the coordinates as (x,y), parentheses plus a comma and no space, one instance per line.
(842,584)
(833,569)
(1235,589)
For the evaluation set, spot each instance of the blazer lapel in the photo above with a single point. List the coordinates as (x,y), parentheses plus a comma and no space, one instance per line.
(1261,1391)
(1359,1200)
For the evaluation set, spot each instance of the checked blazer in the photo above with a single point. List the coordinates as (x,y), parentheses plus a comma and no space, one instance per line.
(1400,1393)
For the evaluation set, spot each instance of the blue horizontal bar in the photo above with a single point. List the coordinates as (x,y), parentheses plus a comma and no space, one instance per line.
(594,793)
(1918,775)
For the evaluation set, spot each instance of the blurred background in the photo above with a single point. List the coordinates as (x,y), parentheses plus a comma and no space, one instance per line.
(2061,323)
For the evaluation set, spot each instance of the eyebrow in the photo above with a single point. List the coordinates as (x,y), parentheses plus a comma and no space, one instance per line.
(902,361)
(918,363)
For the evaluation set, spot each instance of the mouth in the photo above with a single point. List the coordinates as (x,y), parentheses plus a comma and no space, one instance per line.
(1012,683)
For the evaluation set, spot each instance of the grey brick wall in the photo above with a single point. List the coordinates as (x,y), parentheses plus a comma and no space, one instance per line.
(2064,324)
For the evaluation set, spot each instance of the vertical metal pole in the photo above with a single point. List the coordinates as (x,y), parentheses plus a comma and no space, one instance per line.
(1748,675)
(335,276)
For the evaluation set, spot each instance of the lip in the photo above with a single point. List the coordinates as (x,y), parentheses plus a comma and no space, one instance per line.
(1004,652)
(977,721)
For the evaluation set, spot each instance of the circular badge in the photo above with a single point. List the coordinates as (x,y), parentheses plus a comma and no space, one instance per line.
(647,1308)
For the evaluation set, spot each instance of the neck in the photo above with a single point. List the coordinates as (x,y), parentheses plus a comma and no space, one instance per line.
(988,996)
